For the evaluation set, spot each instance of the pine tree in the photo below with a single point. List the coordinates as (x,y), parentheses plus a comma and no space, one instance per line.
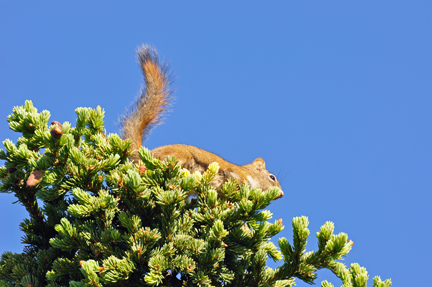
(105,221)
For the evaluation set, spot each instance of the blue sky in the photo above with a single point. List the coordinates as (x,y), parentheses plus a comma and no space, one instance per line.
(334,95)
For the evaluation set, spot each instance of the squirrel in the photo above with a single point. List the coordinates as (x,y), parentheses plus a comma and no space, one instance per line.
(153,102)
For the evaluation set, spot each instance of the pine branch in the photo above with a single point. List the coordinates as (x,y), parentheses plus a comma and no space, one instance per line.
(108,222)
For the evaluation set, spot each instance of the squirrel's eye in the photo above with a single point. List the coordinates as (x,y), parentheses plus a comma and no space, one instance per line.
(272,177)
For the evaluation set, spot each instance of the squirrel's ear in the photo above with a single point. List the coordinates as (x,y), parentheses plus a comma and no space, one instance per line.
(259,163)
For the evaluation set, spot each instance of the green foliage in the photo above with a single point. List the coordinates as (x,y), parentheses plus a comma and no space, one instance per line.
(108,222)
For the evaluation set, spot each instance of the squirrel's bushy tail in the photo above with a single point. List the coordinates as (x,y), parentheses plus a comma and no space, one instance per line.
(152,101)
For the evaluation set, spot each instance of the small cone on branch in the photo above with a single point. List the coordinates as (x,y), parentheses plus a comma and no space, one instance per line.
(34,178)
(142,169)
(57,131)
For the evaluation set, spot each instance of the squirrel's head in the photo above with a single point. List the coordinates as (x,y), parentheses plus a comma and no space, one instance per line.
(260,177)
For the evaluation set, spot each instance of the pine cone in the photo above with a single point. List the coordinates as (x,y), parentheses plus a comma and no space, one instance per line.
(34,178)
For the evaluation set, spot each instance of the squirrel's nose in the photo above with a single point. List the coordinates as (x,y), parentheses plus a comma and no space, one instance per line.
(280,194)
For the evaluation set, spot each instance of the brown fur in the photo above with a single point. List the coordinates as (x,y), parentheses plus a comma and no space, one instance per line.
(196,159)
(149,108)
(152,102)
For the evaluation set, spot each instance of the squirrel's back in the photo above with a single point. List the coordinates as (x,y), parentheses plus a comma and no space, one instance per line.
(196,159)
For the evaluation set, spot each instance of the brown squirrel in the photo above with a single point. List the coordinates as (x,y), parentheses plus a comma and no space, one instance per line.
(146,114)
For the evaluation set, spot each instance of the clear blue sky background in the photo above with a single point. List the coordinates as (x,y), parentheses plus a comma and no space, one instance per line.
(336,96)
